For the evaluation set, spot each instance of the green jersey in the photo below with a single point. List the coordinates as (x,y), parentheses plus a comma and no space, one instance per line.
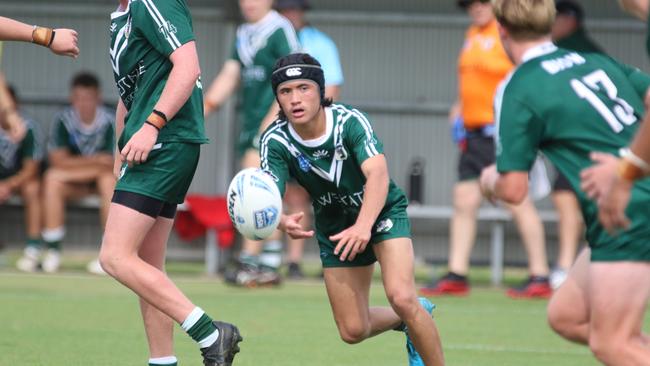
(143,36)
(567,105)
(12,154)
(69,132)
(329,167)
(257,47)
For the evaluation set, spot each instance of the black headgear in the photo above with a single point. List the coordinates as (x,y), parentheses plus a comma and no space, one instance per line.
(294,67)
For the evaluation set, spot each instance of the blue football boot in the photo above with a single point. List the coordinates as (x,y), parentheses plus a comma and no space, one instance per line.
(414,357)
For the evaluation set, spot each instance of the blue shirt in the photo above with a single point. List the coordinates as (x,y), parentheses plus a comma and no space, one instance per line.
(323,49)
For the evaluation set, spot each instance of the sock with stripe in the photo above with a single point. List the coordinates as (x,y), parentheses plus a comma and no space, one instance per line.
(53,237)
(199,326)
(163,361)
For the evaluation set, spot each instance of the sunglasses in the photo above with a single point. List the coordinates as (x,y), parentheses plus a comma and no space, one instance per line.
(464,4)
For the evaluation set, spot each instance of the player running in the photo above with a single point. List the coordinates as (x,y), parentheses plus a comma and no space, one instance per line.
(568,104)
(360,214)
(160,123)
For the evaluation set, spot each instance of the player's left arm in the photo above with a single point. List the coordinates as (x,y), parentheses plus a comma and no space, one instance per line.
(517,142)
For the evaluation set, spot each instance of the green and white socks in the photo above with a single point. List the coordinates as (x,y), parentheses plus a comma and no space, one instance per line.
(199,326)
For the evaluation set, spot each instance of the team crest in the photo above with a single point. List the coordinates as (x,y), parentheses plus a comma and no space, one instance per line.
(340,153)
(304,163)
(319,154)
(384,226)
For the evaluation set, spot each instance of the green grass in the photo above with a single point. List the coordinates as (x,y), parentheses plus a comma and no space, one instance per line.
(76,319)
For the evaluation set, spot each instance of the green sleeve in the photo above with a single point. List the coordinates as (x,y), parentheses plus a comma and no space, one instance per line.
(109,140)
(639,79)
(284,42)
(166,24)
(273,161)
(360,138)
(519,134)
(60,137)
(28,146)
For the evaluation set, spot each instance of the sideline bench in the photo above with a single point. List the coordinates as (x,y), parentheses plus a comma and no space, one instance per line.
(497,217)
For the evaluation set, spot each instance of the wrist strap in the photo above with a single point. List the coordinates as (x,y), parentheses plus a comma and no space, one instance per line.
(152,125)
(628,171)
(43,36)
(628,155)
(156,120)
(160,114)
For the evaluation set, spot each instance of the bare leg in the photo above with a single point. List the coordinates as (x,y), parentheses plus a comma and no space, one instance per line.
(568,309)
(158,326)
(347,289)
(531,231)
(467,199)
(125,230)
(570,226)
(30,193)
(105,187)
(618,294)
(396,259)
(54,193)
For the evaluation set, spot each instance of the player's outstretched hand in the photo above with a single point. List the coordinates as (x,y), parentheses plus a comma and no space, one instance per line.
(602,183)
(351,242)
(137,149)
(65,43)
(290,224)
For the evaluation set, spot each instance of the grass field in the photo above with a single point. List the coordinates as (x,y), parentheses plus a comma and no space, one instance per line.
(76,319)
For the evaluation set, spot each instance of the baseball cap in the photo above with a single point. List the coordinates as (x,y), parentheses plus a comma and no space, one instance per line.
(292,4)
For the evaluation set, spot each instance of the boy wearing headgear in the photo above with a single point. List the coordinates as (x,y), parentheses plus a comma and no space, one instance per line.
(360,214)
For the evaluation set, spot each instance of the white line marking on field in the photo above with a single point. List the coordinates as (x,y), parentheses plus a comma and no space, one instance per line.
(492,348)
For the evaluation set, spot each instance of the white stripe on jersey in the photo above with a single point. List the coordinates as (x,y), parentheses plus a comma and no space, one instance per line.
(264,144)
(498,101)
(158,18)
(371,150)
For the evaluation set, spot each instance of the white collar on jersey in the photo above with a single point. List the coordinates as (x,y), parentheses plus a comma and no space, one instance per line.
(537,51)
(329,126)
(118,13)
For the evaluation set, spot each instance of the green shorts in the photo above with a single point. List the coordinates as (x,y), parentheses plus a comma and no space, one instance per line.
(384,229)
(166,175)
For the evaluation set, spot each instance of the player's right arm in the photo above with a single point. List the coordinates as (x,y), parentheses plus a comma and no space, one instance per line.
(222,87)
(60,41)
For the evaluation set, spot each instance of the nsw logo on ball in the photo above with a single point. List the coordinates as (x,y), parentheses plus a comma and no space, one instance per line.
(265,217)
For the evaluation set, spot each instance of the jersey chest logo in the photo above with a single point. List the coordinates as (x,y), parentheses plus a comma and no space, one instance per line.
(303,162)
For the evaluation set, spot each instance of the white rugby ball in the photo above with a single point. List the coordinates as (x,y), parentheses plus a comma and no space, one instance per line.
(254,203)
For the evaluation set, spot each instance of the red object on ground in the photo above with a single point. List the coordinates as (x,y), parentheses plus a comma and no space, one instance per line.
(205,212)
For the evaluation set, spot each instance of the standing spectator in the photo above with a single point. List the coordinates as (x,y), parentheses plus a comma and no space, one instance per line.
(265,37)
(320,46)
(19,173)
(80,158)
(568,32)
(482,65)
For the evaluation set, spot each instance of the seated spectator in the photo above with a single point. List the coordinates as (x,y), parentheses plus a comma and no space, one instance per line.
(80,158)
(19,174)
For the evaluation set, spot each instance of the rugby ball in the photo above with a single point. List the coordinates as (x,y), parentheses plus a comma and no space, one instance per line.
(254,204)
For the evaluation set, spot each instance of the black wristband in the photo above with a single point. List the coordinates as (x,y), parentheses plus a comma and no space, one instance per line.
(160,114)
(151,124)
(51,39)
